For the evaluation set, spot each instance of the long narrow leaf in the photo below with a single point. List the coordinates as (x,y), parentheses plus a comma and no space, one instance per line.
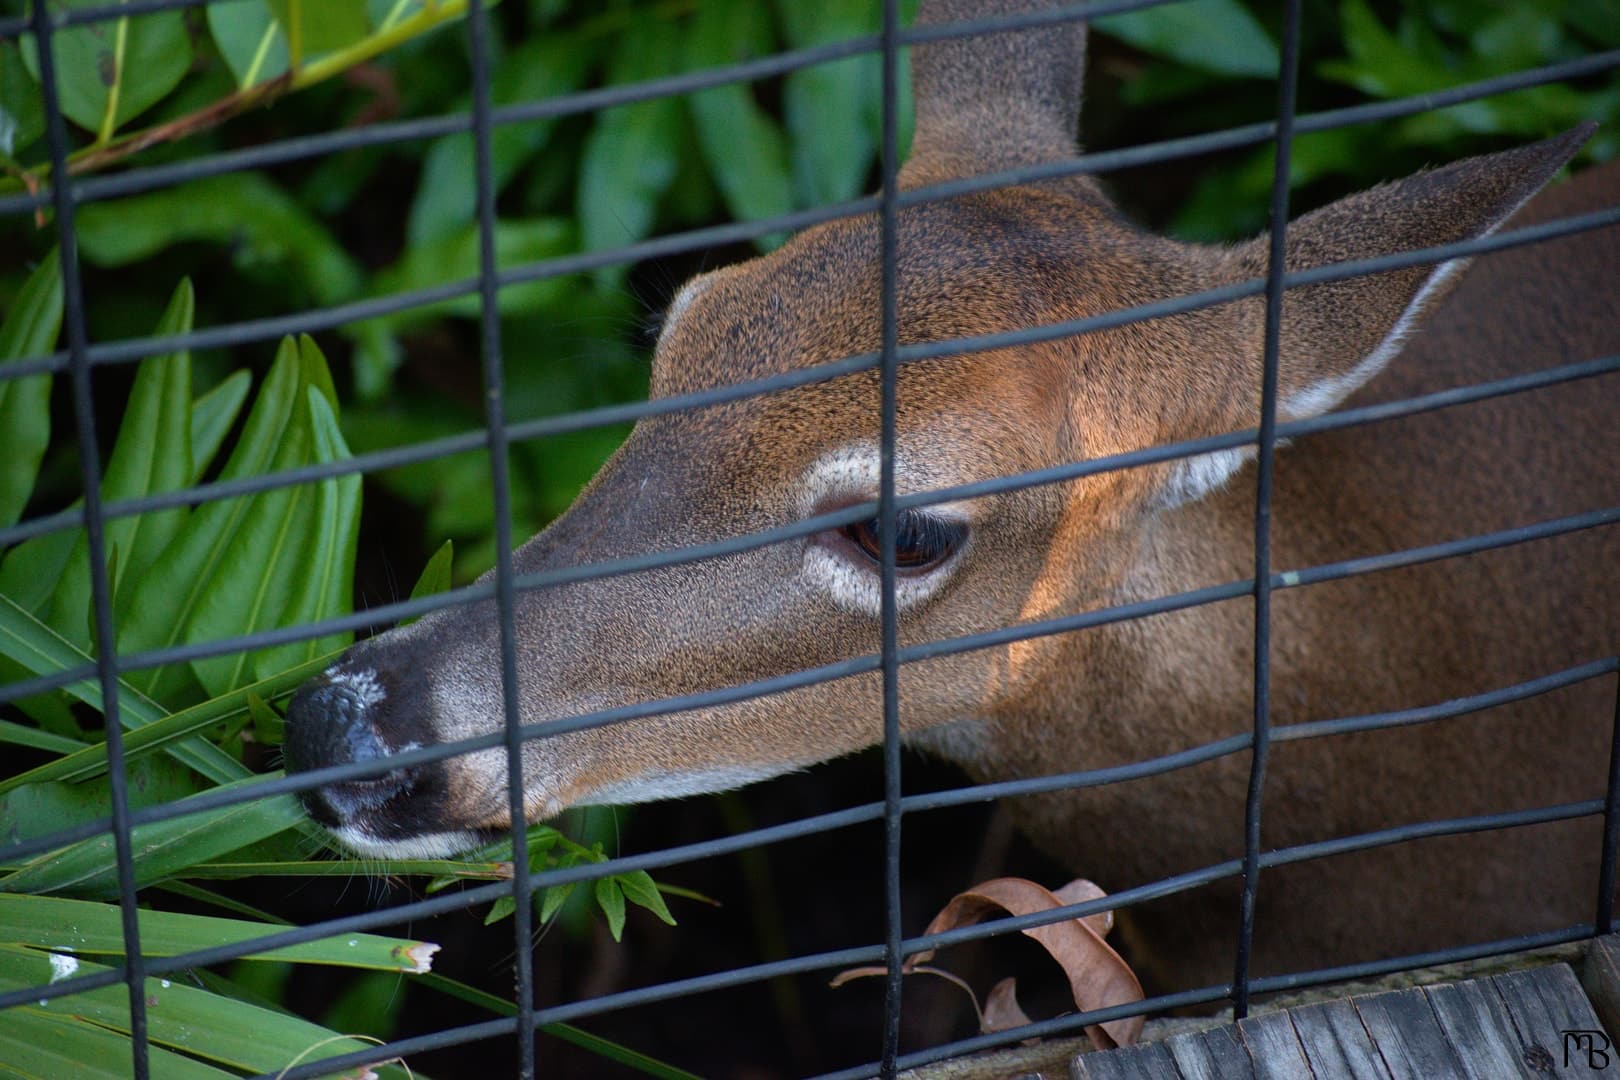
(30,329)
(182,1017)
(37,1042)
(32,644)
(22,735)
(212,415)
(165,733)
(88,928)
(323,575)
(153,451)
(162,849)
(168,597)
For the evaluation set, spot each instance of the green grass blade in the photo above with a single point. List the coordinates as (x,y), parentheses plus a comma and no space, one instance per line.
(48,1043)
(203,1024)
(164,734)
(22,735)
(36,647)
(161,849)
(88,928)
(30,329)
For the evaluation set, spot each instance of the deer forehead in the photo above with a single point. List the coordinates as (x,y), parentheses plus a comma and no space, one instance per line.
(973,265)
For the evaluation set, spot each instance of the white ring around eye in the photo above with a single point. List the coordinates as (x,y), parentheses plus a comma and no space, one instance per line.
(850,474)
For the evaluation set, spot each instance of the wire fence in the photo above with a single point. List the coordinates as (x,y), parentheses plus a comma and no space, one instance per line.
(82,357)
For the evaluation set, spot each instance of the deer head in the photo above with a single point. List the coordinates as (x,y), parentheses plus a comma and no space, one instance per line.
(970,265)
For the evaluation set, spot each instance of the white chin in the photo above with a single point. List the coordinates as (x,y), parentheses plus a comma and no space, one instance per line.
(426,846)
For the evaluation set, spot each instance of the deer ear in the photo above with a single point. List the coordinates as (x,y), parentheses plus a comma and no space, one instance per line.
(993,101)
(1337,336)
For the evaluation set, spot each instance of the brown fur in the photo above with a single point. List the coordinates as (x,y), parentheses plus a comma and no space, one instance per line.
(1125,692)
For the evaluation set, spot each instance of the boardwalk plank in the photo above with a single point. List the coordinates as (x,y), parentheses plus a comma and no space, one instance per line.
(1211,1055)
(1145,1061)
(1408,1036)
(1475,1020)
(1274,1047)
(1336,1044)
(1601,978)
(1543,1004)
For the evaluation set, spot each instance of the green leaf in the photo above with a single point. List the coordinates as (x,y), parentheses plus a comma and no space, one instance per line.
(168,600)
(162,849)
(831,157)
(1218,36)
(756,183)
(266,229)
(33,645)
(456,258)
(258,570)
(268,726)
(610,898)
(15,734)
(200,1023)
(251,40)
(30,329)
(153,451)
(322,25)
(22,106)
(1380,64)
(534,71)
(109,72)
(554,897)
(32,810)
(500,909)
(631,155)
(639,889)
(36,1042)
(212,416)
(323,570)
(435,577)
(85,927)
(170,730)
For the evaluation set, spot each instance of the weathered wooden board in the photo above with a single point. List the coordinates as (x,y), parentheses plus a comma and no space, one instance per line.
(1336,1042)
(1530,1024)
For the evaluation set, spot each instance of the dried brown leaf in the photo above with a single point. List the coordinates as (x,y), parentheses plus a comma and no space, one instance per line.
(1098,977)
(1001,1008)
(1079,891)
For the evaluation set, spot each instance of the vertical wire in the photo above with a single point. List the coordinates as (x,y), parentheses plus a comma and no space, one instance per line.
(1604,922)
(1287,80)
(887,525)
(495,421)
(84,413)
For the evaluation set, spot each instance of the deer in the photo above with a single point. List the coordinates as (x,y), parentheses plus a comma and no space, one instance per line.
(1128,691)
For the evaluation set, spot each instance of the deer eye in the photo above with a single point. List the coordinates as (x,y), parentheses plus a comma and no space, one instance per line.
(922,540)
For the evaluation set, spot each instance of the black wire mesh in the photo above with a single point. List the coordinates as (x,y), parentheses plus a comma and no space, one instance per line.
(82,355)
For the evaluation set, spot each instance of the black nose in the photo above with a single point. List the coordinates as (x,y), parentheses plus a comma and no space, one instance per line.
(332,720)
